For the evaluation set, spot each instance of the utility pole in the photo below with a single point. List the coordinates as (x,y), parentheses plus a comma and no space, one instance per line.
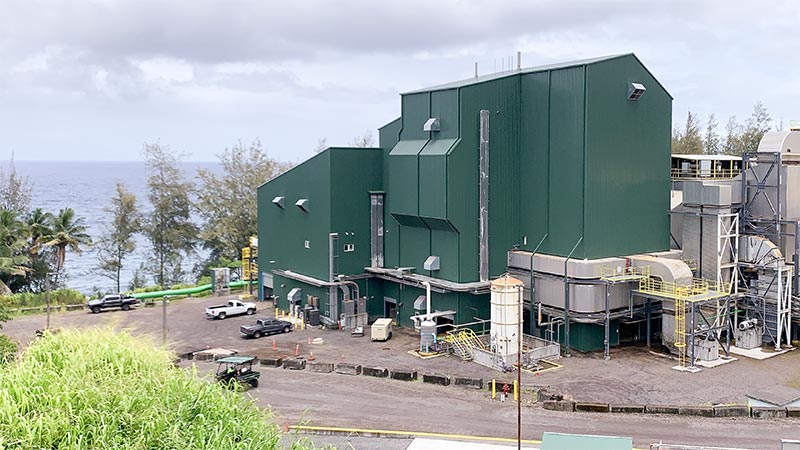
(519,363)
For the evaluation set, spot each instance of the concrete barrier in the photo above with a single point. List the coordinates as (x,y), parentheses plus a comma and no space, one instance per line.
(628,409)
(792,411)
(187,356)
(294,364)
(203,357)
(272,362)
(403,375)
(660,409)
(75,307)
(731,411)
(379,372)
(591,407)
(476,383)
(348,369)
(559,405)
(320,367)
(767,412)
(703,411)
(432,378)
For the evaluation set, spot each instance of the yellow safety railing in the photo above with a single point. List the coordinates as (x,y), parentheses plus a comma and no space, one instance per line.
(624,273)
(698,291)
(464,340)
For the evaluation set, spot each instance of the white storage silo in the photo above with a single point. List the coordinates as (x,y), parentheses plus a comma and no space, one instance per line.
(506,298)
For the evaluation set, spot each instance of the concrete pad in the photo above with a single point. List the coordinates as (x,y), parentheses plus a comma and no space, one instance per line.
(758,353)
(687,369)
(715,363)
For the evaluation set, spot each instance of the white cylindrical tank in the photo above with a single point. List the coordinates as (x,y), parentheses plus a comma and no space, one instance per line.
(427,335)
(506,306)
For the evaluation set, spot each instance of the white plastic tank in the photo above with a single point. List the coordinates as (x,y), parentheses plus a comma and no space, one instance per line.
(427,335)
(506,302)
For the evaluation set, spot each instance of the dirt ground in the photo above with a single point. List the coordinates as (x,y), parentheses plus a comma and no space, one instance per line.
(633,375)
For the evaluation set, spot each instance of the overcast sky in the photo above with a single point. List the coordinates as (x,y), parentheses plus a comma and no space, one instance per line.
(94,80)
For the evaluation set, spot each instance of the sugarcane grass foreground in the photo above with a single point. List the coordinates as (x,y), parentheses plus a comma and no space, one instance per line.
(104,389)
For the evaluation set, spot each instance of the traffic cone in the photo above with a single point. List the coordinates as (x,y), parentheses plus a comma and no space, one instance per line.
(309,340)
(286,428)
(297,350)
(342,359)
(311,356)
(274,345)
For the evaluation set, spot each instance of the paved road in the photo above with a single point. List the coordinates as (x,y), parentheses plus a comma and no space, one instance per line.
(362,402)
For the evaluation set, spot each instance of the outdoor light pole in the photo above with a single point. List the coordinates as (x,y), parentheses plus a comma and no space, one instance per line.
(519,369)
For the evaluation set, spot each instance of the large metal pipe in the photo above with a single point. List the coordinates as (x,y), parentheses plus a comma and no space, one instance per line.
(483,196)
(538,318)
(427,300)
(566,297)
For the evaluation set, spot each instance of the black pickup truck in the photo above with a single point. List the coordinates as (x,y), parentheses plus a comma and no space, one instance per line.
(264,327)
(121,301)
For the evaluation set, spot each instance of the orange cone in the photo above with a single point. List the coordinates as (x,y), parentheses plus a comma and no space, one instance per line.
(297,350)
(342,360)
(274,345)
(311,356)
(309,340)
(286,428)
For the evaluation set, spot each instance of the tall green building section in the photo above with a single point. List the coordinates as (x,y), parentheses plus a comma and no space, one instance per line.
(571,157)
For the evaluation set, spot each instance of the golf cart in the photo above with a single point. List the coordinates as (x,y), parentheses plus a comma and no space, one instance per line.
(239,369)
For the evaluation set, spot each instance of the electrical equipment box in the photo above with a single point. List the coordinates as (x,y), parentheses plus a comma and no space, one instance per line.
(381,330)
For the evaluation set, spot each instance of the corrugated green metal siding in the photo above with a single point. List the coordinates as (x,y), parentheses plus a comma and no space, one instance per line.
(284,285)
(501,98)
(354,172)
(566,163)
(283,232)
(388,136)
(444,106)
(462,196)
(415,247)
(444,244)
(627,161)
(534,157)
(415,111)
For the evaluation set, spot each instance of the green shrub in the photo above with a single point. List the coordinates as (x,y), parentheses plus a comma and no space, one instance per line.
(8,349)
(29,299)
(100,389)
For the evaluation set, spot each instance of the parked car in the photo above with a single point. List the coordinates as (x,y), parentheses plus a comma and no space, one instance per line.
(121,301)
(264,327)
(237,369)
(232,308)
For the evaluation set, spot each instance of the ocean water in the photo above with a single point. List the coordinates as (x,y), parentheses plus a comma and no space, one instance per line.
(87,187)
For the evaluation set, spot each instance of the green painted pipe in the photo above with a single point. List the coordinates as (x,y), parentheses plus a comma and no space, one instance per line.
(184,291)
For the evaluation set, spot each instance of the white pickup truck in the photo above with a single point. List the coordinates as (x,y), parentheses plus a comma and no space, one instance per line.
(233,308)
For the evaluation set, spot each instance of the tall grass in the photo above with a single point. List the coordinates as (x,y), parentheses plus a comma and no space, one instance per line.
(28,299)
(101,389)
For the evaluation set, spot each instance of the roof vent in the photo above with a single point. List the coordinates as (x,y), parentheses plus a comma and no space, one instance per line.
(302,204)
(279,201)
(636,91)
(431,124)
(432,263)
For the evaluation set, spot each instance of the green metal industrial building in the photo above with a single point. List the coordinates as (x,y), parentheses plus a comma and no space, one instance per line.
(571,158)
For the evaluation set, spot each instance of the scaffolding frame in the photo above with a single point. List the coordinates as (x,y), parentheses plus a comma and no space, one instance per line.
(699,296)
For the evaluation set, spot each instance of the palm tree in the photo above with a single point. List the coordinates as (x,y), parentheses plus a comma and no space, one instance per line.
(13,258)
(68,232)
(41,232)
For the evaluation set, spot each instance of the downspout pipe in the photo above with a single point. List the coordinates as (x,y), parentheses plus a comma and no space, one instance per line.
(566,298)
(427,300)
(535,320)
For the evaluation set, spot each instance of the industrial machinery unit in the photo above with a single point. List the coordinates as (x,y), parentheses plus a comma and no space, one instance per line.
(558,176)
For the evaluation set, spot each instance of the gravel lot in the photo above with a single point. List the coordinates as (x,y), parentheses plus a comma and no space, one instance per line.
(633,375)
